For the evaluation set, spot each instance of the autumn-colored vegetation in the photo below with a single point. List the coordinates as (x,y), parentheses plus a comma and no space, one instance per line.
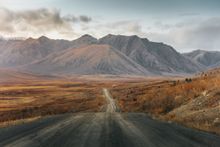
(191,97)
(191,101)
(161,97)
(22,101)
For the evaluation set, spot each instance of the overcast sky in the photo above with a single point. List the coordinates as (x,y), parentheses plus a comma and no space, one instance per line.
(184,24)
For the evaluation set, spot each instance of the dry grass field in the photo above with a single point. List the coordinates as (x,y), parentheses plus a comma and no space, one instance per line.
(193,102)
(26,99)
(20,101)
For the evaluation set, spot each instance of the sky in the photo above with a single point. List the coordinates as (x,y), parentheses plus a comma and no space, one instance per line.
(184,24)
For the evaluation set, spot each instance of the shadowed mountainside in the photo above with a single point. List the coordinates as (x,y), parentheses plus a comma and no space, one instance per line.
(208,59)
(20,52)
(92,59)
(156,57)
(142,56)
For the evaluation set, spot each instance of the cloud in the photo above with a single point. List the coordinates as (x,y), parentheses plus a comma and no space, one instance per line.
(189,33)
(187,14)
(85,19)
(192,34)
(81,18)
(127,27)
(39,21)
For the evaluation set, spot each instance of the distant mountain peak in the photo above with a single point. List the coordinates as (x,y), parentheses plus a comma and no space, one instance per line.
(112,35)
(84,40)
(30,39)
(112,54)
(205,51)
(204,57)
(131,37)
(200,50)
(88,37)
(43,38)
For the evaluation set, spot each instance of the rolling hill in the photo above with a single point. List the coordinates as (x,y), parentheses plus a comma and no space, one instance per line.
(13,76)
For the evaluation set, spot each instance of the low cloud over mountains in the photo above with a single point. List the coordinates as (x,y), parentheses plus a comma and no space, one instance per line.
(39,21)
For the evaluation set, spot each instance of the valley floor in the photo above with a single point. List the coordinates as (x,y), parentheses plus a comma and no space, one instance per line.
(110,129)
(112,103)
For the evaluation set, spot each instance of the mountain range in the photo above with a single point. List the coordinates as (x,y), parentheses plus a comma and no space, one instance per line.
(112,54)
(208,59)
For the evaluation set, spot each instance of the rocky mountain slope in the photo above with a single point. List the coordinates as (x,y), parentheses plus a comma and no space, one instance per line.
(156,57)
(14,53)
(92,59)
(112,54)
(19,52)
(206,58)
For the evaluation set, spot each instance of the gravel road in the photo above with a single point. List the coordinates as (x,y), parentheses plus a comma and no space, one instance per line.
(104,129)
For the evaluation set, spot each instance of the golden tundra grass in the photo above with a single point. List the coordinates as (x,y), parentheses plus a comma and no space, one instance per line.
(163,97)
(21,101)
(157,97)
